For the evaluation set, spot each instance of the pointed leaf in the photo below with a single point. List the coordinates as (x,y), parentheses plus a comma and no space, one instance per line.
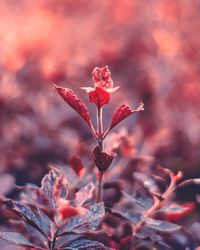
(88,245)
(76,164)
(18,239)
(27,215)
(77,104)
(134,200)
(49,183)
(175,212)
(84,194)
(128,215)
(89,221)
(122,112)
(163,226)
(99,96)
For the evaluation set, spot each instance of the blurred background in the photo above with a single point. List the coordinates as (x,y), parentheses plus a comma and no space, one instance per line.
(152,50)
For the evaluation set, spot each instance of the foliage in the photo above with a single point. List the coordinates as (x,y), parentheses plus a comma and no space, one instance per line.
(73,209)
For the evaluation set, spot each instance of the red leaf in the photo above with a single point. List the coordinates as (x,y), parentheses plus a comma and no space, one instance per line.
(69,96)
(122,112)
(66,211)
(76,164)
(175,212)
(99,96)
(102,159)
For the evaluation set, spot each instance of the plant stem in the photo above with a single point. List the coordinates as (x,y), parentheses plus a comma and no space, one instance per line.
(100,144)
(99,123)
(53,242)
(149,212)
(157,204)
(100,187)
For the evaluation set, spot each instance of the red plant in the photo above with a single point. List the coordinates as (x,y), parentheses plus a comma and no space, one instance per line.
(100,96)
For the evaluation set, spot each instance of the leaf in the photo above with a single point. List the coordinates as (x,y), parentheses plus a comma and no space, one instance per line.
(147,182)
(84,194)
(102,159)
(134,200)
(77,104)
(76,164)
(175,212)
(27,215)
(128,215)
(6,183)
(89,221)
(99,96)
(65,210)
(163,226)
(123,112)
(17,239)
(88,245)
(48,188)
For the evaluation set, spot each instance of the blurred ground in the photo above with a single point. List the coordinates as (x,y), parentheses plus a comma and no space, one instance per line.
(152,50)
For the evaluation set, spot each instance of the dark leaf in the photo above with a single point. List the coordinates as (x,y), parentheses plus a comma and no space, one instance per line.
(84,194)
(88,245)
(163,226)
(18,239)
(102,159)
(27,215)
(78,105)
(122,112)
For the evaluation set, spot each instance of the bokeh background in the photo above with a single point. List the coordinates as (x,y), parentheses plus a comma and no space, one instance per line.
(152,50)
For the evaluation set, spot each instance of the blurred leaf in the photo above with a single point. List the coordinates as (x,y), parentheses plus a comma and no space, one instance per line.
(163,226)
(134,200)
(77,104)
(18,239)
(84,194)
(129,215)
(147,182)
(174,212)
(76,164)
(6,183)
(33,194)
(83,223)
(88,245)
(27,215)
